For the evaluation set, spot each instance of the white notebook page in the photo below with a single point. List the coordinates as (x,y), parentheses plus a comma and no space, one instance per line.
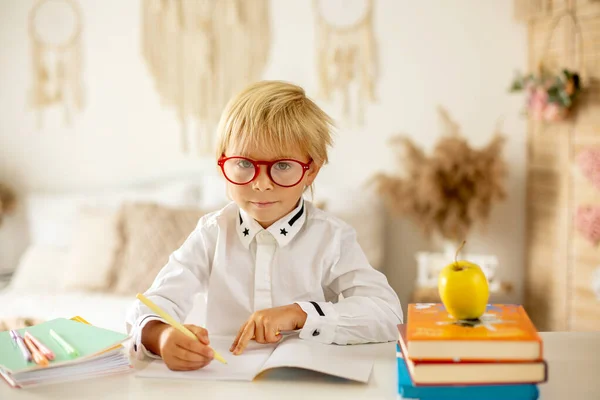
(239,368)
(350,362)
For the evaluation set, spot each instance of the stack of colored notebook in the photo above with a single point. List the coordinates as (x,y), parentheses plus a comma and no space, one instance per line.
(60,350)
(499,356)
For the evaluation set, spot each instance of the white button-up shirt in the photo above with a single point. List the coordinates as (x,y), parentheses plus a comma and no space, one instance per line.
(308,257)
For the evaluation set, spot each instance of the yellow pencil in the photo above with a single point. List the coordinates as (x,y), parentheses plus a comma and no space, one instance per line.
(172,322)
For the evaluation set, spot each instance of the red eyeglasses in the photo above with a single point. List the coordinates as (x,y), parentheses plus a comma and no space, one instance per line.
(241,170)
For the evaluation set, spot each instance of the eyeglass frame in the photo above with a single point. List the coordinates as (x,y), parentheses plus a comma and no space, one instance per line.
(268,164)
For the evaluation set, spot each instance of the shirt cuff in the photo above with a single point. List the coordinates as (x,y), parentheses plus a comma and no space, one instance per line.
(321,321)
(138,349)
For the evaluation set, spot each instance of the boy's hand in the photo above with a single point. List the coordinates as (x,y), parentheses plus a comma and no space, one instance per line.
(265,326)
(178,351)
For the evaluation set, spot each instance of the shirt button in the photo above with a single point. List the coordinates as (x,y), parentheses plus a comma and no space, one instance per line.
(316,332)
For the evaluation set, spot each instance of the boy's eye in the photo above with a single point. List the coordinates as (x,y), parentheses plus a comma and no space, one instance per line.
(282,166)
(244,164)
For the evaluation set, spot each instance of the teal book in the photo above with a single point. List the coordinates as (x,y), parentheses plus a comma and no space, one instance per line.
(89,342)
(408,390)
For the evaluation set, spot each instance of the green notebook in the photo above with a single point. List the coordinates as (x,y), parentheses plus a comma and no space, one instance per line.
(88,340)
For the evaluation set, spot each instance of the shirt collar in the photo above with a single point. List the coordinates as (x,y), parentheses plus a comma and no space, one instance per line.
(284,230)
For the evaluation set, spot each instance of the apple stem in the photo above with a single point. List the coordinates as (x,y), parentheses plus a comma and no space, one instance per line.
(458,251)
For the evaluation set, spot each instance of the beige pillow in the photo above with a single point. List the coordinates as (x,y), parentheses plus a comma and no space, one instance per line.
(93,250)
(150,233)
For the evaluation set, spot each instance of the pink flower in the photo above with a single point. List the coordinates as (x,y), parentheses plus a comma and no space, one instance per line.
(537,103)
(587,222)
(589,163)
(552,112)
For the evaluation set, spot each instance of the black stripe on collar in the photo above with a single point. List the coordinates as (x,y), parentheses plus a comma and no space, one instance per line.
(241,220)
(297,216)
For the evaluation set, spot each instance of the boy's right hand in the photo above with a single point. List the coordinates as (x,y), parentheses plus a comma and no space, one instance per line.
(178,351)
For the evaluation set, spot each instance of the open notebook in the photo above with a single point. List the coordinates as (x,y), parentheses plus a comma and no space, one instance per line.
(100,353)
(353,362)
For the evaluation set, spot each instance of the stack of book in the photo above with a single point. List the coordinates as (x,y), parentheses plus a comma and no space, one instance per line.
(60,350)
(498,356)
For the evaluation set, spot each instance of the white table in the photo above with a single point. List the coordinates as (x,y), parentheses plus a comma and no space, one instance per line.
(573,358)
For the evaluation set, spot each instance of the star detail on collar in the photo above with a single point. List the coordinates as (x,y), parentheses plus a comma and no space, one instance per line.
(246,232)
(283,231)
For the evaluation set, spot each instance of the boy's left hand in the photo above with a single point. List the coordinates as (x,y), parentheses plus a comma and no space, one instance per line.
(265,326)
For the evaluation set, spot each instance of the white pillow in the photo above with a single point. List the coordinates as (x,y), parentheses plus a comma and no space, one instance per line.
(40,270)
(172,193)
(52,216)
(94,246)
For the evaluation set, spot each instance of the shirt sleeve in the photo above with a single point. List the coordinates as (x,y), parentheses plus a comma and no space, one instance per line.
(369,310)
(175,287)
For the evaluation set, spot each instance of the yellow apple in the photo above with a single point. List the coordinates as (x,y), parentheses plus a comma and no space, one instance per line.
(463,289)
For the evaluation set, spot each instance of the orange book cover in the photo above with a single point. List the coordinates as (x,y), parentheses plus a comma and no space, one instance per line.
(504,331)
(471,372)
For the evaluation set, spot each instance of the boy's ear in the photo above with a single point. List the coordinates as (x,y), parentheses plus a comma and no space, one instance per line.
(312,173)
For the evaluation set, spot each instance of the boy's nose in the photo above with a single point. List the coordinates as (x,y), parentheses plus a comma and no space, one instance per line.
(262,181)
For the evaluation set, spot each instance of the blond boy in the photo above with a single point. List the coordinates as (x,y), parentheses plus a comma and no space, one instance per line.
(269,261)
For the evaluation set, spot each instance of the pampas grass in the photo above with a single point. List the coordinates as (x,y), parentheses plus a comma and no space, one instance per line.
(448,191)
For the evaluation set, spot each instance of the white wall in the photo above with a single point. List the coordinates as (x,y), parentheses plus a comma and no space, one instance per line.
(459,54)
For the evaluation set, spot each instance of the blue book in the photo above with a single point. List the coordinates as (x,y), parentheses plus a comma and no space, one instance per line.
(408,390)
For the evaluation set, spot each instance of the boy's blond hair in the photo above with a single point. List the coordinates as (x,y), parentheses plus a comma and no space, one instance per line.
(276,117)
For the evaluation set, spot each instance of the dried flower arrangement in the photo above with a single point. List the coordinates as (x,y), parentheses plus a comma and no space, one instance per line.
(7,201)
(447,192)
(552,90)
(550,97)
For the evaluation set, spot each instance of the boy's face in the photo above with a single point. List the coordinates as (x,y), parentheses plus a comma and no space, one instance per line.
(264,200)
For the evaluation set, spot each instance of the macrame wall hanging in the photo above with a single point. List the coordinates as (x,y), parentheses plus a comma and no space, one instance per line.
(55,28)
(346,53)
(526,10)
(200,53)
